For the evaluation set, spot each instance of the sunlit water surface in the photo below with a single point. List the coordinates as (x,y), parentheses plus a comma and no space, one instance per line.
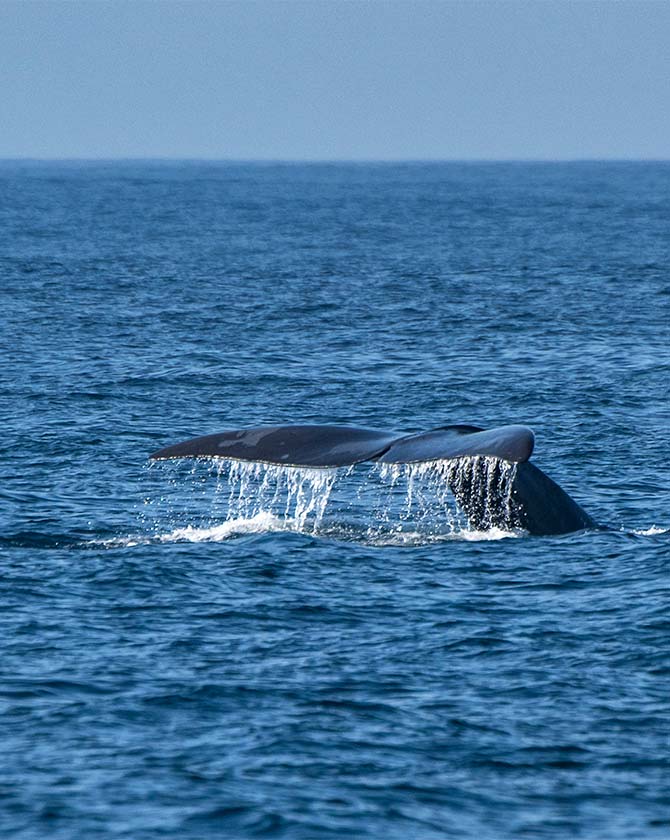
(194,649)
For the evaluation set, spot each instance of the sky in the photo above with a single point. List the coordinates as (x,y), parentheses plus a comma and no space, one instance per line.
(335,80)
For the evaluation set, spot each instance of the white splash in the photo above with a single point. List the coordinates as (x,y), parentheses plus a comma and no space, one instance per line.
(409,538)
(654,531)
(262,523)
(298,494)
(379,504)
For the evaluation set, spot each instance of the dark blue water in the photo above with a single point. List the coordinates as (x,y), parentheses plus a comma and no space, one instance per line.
(178,659)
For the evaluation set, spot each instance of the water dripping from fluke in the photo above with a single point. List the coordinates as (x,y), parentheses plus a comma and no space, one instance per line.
(477,478)
(469,498)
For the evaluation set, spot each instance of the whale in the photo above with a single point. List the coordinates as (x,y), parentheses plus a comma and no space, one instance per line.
(539,505)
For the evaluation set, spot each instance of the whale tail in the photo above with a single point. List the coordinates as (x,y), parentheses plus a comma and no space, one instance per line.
(339,446)
(542,506)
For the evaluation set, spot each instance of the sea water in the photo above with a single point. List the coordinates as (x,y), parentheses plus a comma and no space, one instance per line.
(203,648)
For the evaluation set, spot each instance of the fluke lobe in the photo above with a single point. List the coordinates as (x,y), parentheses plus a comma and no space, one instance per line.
(540,506)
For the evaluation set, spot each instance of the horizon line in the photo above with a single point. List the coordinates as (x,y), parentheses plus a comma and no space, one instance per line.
(319,161)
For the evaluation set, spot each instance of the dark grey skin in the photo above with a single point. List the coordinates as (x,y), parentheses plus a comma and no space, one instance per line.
(541,507)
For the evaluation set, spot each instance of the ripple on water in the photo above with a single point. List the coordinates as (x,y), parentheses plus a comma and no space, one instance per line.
(197,650)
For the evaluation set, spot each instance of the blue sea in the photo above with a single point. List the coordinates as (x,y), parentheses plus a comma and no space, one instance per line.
(191,649)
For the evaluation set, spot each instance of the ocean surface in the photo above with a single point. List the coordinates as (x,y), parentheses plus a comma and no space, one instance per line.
(196,650)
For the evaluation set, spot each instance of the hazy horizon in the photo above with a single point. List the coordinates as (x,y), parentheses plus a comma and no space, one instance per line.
(324,161)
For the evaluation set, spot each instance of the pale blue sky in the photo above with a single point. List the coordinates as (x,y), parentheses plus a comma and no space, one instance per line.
(335,80)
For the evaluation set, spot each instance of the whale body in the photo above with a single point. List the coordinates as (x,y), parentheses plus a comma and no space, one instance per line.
(541,507)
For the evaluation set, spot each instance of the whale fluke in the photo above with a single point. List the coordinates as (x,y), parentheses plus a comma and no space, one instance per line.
(294,446)
(542,506)
(339,446)
(509,443)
